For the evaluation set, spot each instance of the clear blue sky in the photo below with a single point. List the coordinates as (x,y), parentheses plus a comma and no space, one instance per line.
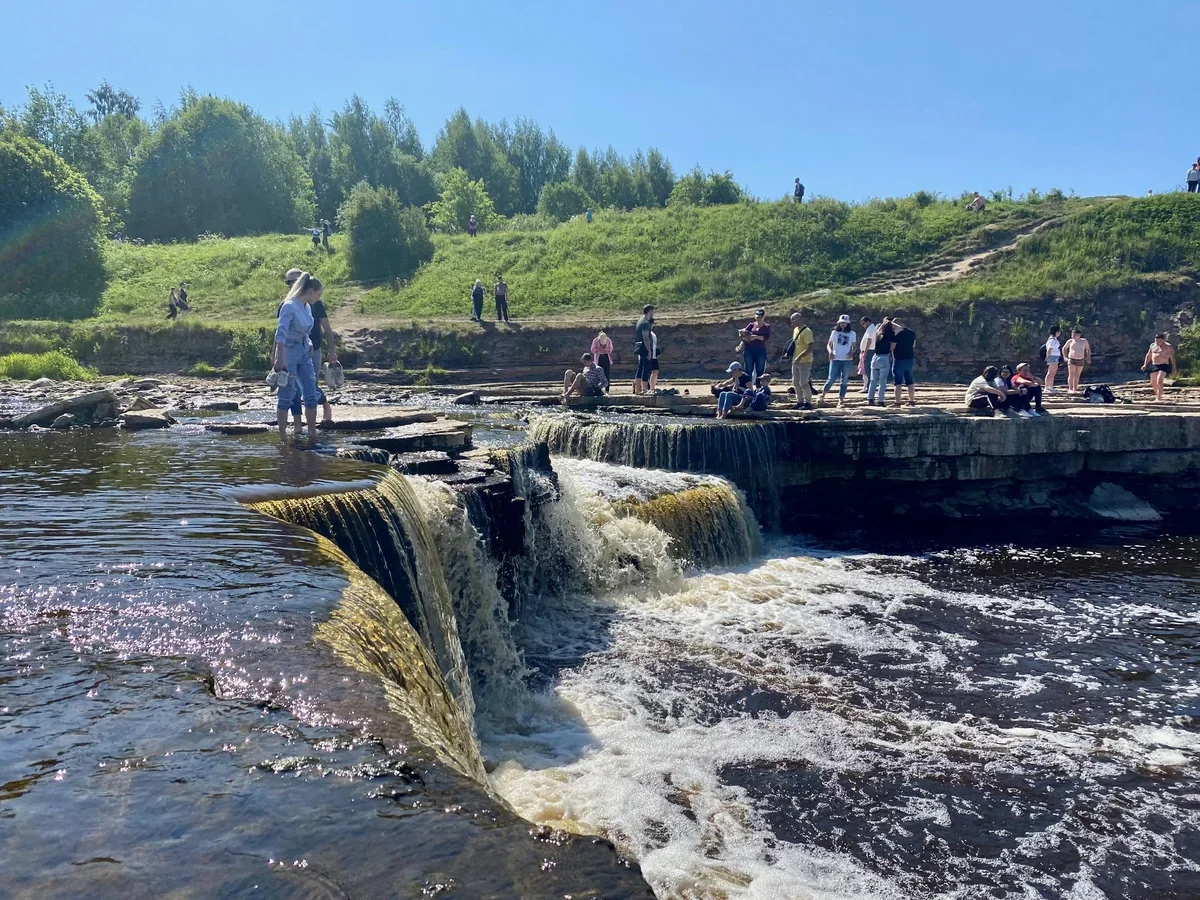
(858,99)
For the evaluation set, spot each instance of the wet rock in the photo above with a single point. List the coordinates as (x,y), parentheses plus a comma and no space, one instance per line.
(441,435)
(1111,501)
(374,418)
(364,454)
(66,420)
(218,405)
(139,402)
(470,398)
(426,462)
(238,427)
(81,405)
(140,420)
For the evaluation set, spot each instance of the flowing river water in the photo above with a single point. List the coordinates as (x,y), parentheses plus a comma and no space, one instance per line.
(197,699)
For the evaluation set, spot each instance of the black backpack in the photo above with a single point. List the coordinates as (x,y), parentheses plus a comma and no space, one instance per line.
(1042,353)
(1101,393)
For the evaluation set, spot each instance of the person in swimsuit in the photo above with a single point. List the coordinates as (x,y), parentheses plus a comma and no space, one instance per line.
(1079,354)
(1053,356)
(1160,362)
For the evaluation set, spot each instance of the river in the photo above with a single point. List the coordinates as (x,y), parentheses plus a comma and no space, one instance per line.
(1004,713)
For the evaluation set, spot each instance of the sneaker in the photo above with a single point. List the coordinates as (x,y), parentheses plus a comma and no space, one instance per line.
(1036,413)
(1024,414)
(841,403)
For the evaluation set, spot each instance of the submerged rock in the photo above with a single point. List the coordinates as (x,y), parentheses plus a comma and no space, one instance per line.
(470,398)
(139,420)
(83,406)
(66,420)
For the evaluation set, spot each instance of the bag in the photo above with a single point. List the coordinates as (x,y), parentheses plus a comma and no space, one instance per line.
(1100,394)
(1042,353)
(639,347)
(790,350)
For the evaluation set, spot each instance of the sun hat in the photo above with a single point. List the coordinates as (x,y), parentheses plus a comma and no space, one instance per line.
(843,319)
(733,367)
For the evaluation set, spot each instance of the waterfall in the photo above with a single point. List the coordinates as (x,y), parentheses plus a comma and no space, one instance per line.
(743,452)
(384,532)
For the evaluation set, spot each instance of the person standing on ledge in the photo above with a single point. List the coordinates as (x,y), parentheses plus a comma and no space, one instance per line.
(1160,362)
(802,360)
(798,192)
(477,301)
(603,353)
(1079,354)
(641,346)
(501,294)
(904,344)
(1054,357)
(866,352)
(1193,178)
(755,337)
(881,365)
(841,347)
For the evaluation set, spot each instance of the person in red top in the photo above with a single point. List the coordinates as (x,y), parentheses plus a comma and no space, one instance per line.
(754,338)
(1024,378)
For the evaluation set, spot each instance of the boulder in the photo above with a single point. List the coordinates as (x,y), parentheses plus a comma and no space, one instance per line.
(66,420)
(81,405)
(440,435)
(218,405)
(139,402)
(139,420)
(1111,501)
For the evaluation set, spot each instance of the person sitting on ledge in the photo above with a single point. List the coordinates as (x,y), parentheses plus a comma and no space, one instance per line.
(737,381)
(1015,399)
(755,400)
(1024,379)
(591,382)
(982,394)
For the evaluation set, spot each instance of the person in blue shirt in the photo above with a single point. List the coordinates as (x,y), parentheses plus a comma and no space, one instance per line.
(293,352)
(755,400)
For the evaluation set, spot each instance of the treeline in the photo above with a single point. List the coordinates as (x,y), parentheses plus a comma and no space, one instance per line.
(213,165)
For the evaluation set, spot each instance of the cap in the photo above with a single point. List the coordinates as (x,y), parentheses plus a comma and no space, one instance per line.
(760,312)
(292,274)
(733,367)
(843,319)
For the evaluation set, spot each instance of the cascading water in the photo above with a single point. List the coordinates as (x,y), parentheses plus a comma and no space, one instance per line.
(743,452)
(384,531)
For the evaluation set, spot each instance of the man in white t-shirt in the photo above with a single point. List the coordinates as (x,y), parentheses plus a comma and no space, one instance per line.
(866,350)
(841,346)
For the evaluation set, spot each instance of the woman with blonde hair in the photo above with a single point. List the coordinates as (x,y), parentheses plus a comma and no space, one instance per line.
(604,353)
(293,352)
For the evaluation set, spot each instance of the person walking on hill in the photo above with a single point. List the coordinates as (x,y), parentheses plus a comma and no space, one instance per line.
(501,294)
(472,225)
(904,344)
(316,237)
(172,304)
(183,297)
(477,301)
(881,365)
(326,231)
(754,339)
(1079,354)
(1160,362)
(841,346)
(1193,178)
(587,214)
(641,347)
(798,192)
(1052,350)
(603,352)
(802,360)
(866,352)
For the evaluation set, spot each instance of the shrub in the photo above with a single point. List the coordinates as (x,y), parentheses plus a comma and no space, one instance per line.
(56,364)
(386,240)
(51,235)
(252,349)
(462,198)
(562,200)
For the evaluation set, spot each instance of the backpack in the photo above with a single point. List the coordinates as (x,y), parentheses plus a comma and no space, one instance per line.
(1100,394)
(790,350)
(1042,353)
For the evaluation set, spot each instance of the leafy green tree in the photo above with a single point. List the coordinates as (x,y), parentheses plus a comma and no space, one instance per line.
(107,101)
(562,200)
(539,159)
(51,234)
(367,147)
(312,144)
(461,198)
(475,149)
(697,189)
(386,239)
(216,166)
(661,177)
(585,174)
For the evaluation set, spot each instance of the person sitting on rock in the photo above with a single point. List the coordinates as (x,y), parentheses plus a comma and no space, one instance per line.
(1025,380)
(1016,396)
(977,204)
(755,400)
(591,382)
(982,394)
(738,380)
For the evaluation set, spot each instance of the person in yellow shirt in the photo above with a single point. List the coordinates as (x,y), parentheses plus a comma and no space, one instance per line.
(802,361)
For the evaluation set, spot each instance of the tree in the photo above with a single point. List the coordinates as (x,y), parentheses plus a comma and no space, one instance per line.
(584,174)
(474,149)
(615,186)
(106,100)
(365,147)
(386,239)
(539,159)
(462,198)
(697,189)
(562,200)
(661,177)
(216,166)
(51,234)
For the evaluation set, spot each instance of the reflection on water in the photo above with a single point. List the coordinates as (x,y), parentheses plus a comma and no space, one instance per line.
(167,719)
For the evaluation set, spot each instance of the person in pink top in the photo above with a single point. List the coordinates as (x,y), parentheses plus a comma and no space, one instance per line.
(604,353)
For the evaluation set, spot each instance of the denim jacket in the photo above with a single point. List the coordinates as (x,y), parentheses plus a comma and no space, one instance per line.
(295,323)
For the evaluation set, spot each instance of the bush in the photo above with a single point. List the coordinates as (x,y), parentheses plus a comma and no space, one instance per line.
(252,349)
(462,198)
(386,240)
(51,235)
(55,364)
(562,200)
(218,167)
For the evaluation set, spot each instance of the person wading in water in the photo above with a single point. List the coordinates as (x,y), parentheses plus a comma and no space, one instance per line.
(293,352)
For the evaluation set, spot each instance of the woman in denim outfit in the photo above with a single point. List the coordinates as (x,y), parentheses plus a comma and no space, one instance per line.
(293,352)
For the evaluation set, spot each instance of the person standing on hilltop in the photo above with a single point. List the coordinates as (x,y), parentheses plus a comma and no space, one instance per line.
(754,340)
(172,304)
(477,301)
(501,294)
(587,214)
(641,346)
(841,346)
(1193,178)
(326,231)
(802,360)
(798,192)
(1160,362)
(472,225)
(904,344)
(1079,354)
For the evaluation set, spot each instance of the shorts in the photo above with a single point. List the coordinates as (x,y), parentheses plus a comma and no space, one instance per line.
(1076,362)
(902,370)
(1161,367)
(1053,359)
(654,365)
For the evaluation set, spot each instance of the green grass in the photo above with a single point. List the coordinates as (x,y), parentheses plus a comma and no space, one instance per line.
(55,364)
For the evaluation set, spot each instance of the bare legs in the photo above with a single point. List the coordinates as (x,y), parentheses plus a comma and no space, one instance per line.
(1074,375)
(1051,372)
(1156,384)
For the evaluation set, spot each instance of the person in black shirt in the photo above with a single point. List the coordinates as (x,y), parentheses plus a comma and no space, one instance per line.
(641,346)
(904,343)
(477,301)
